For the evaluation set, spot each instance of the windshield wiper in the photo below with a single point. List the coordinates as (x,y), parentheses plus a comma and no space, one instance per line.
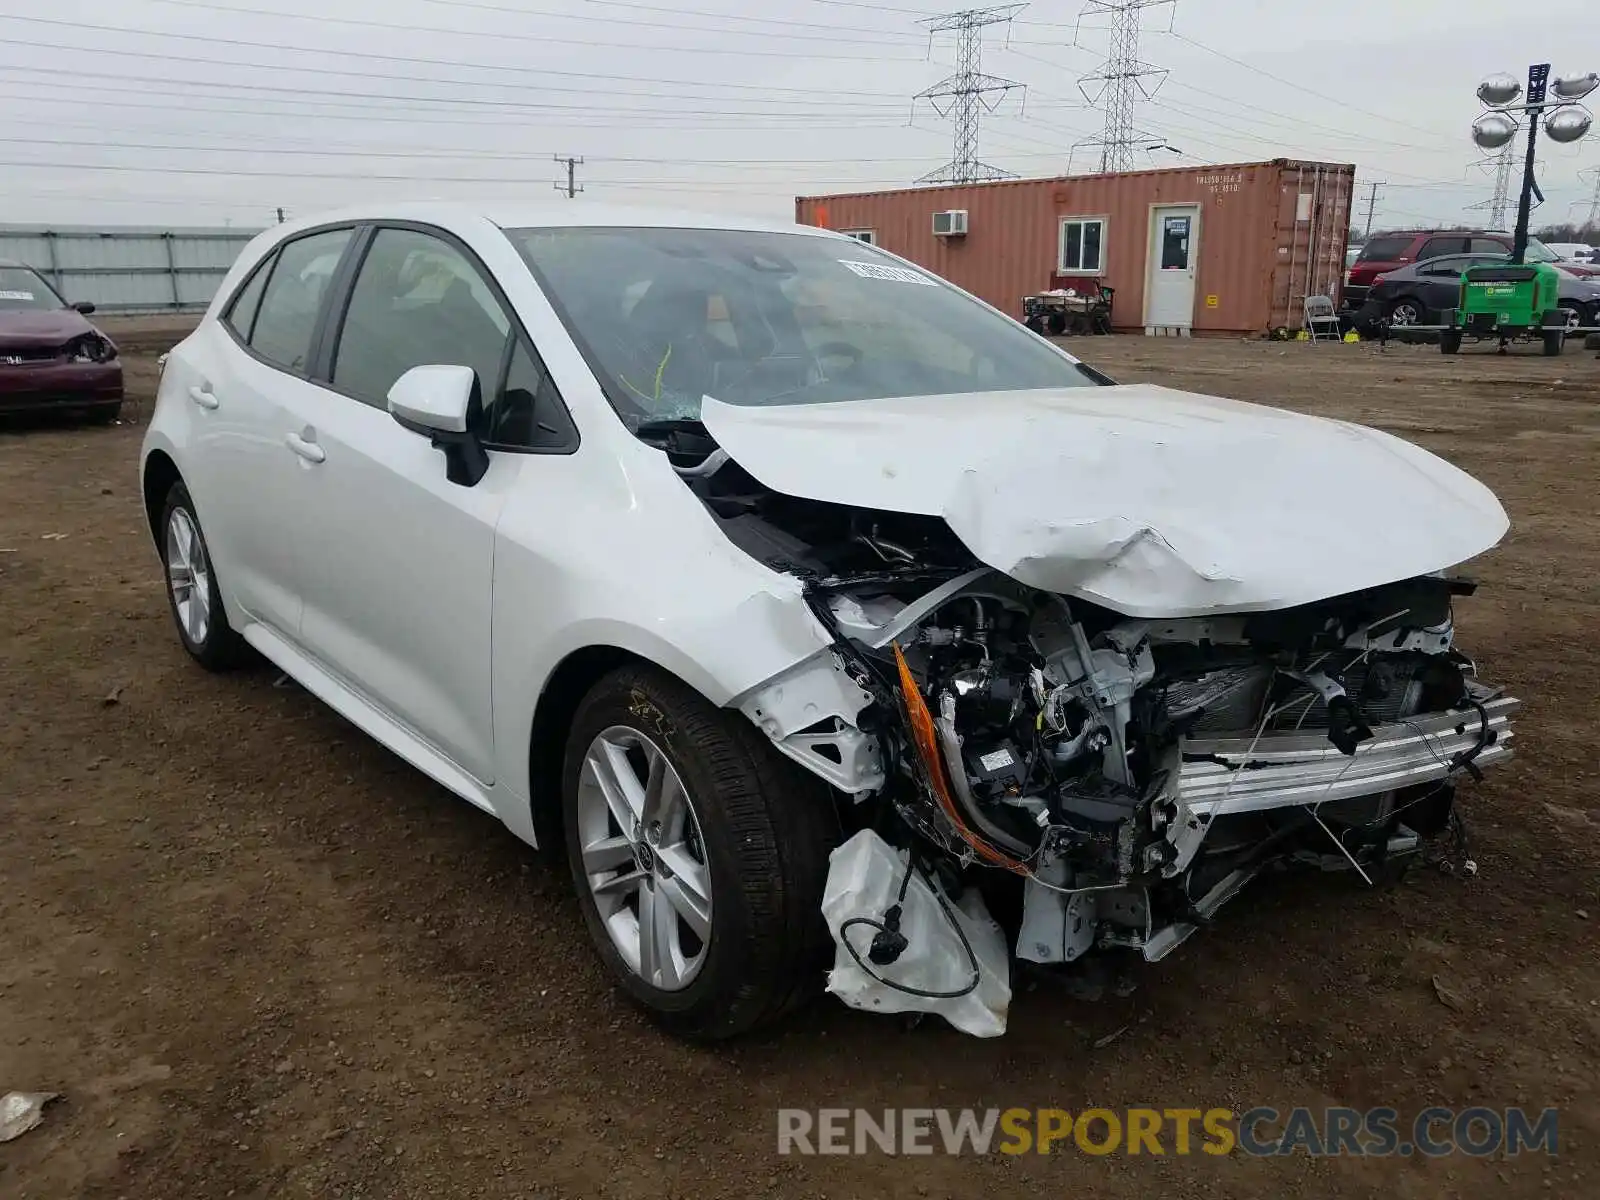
(676,435)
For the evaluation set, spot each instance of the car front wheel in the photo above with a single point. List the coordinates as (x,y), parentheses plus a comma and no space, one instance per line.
(192,591)
(699,855)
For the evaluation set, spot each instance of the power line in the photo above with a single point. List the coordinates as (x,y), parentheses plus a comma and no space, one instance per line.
(1298,86)
(502,36)
(1121,79)
(966,93)
(463,104)
(344,70)
(890,35)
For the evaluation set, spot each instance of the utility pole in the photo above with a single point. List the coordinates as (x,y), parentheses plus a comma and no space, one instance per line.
(1372,202)
(1121,79)
(570,187)
(967,93)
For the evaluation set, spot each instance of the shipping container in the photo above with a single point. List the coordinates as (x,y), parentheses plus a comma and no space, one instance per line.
(1230,249)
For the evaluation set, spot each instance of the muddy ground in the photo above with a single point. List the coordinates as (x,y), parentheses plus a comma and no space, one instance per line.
(260,956)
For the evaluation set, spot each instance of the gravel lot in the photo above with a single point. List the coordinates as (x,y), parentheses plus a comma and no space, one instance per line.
(260,956)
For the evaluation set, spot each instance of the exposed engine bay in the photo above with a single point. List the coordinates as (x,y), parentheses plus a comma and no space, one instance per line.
(1106,782)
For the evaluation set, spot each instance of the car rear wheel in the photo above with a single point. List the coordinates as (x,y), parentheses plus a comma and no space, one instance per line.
(192,591)
(1406,311)
(699,855)
(1574,313)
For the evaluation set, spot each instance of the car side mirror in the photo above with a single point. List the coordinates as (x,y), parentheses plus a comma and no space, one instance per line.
(444,404)
(84,306)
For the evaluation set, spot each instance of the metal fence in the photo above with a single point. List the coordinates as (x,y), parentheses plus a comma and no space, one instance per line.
(128,269)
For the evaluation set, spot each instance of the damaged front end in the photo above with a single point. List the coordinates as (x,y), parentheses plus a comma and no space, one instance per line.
(1103,782)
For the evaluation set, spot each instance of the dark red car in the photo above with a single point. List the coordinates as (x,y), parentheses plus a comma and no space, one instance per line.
(50,356)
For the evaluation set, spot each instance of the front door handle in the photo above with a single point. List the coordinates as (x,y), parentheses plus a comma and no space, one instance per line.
(307,450)
(202,395)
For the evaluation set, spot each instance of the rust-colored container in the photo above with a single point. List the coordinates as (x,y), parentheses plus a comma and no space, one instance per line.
(1229,249)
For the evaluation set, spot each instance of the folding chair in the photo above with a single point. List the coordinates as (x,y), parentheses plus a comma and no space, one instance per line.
(1322,319)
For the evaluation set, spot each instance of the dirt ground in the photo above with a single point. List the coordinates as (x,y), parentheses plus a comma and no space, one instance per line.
(260,956)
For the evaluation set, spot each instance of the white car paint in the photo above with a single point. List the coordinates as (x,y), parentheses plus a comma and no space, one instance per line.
(382,588)
(434,617)
(1132,496)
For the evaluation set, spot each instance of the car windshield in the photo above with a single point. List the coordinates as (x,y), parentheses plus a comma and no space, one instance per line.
(1539,252)
(666,317)
(22,289)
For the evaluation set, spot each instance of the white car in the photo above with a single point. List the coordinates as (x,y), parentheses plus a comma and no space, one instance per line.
(816,606)
(1578,252)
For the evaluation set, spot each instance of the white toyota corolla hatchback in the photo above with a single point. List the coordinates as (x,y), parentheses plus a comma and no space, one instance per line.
(822,612)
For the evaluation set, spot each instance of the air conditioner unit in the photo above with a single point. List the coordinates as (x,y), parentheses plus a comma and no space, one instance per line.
(950,224)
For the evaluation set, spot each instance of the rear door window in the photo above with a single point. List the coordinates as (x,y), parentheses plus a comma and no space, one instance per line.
(292,301)
(1384,249)
(1483,245)
(1435,247)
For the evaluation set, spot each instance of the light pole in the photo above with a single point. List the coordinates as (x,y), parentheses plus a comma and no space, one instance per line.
(1555,104)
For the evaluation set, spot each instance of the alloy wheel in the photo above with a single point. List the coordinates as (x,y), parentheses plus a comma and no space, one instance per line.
(644,860)
(1405,314)
(188,576)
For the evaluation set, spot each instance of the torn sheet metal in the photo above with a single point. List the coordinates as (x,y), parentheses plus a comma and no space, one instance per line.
(864,877)
(1153,502)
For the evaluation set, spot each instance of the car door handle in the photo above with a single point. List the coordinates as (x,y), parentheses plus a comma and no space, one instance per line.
(309,451)
(202,395)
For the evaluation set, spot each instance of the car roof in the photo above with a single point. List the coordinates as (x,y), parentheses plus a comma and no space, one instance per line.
(562,214)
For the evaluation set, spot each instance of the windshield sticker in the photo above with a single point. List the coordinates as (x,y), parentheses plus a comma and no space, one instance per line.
(16,295)
(893,274)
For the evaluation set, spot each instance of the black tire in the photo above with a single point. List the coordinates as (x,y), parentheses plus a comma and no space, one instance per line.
(220,648)
(765,830)
(1554,341)
(1035,323)
(104,414)
(1574,312)
(1056,324)
(1450,341)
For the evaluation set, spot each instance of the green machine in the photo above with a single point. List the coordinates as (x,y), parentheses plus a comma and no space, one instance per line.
(1506,302)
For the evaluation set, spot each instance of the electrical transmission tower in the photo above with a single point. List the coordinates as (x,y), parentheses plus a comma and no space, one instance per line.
(964,96)
(1504,164)
(1121,81)
(1594,203)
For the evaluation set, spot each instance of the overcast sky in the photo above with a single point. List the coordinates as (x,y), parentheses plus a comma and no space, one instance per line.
(205,112)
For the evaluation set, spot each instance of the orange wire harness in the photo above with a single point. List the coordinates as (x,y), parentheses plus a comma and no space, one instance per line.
(926,739)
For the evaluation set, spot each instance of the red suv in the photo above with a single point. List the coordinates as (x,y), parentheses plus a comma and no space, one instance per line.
(1389,251)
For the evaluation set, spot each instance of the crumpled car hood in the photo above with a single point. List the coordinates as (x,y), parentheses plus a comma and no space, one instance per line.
(25,328)
(1150,501)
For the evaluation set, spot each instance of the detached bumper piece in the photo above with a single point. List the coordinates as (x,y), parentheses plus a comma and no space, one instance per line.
(1230,775)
